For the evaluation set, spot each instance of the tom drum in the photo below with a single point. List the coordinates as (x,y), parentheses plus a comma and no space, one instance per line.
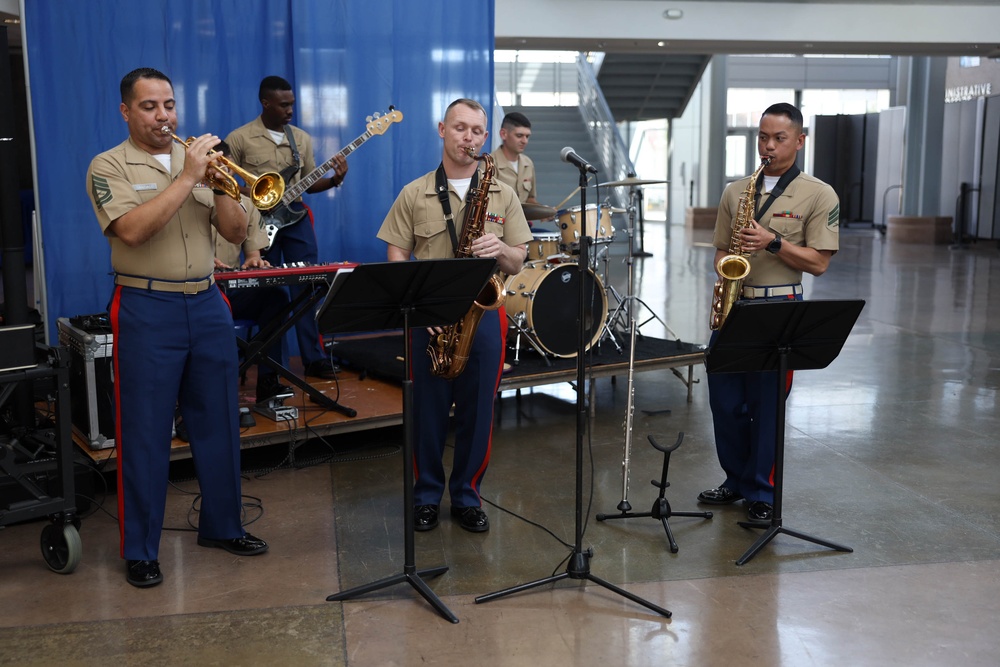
(543,246)
(597,227)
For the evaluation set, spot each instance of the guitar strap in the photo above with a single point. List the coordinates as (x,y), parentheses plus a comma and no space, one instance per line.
(293,169)
(441,187)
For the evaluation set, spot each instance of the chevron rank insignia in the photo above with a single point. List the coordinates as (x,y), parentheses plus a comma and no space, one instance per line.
(102,191)
(833,220)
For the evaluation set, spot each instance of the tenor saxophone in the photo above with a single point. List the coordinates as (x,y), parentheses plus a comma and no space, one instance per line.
(449,350)
(735,266)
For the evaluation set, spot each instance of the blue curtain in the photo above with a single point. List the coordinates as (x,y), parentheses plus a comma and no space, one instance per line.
(346,59)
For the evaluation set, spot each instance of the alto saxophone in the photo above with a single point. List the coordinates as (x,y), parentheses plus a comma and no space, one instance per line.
(449,350)
(735,266)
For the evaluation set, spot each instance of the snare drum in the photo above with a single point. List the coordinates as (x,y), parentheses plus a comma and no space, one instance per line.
(544,300)
(599,229)
(543,246)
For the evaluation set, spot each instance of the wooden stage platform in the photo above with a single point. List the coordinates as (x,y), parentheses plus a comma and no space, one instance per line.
(372,370)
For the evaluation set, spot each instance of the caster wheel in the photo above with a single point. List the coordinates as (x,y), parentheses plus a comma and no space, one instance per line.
(61,547)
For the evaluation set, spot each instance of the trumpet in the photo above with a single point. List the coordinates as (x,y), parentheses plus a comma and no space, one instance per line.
(266,190)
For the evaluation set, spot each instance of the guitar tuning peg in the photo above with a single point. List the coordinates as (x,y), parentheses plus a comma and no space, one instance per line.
(368,119)
(376,114)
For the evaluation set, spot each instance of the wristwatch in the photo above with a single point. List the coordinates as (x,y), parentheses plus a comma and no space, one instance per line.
(775,245)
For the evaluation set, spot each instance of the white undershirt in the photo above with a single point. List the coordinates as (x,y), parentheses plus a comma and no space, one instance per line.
(277,137)
(164,159)
(461,185)
(770,182)
(513,163)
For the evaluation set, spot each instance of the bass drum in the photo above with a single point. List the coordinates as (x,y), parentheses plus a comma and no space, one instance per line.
(544,300)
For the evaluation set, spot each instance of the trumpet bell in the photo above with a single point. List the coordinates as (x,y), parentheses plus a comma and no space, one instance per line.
(267,190)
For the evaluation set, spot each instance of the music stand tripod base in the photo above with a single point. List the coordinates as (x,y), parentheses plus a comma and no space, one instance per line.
(781,336)
(579,562)
(390,295)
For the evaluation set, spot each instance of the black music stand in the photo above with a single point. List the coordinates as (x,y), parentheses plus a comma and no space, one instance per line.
(578,565)
(390,295)
(781,336)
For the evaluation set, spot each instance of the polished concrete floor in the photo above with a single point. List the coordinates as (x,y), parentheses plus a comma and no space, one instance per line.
(891,450)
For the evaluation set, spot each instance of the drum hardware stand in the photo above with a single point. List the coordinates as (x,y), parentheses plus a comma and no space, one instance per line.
(625,309)
(641,252)
(661,506)
(578,566)
(518,323)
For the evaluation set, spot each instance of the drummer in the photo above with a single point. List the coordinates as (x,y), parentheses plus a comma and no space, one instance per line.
(514,167)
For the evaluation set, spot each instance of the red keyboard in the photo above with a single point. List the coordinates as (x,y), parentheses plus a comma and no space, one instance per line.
(280,275)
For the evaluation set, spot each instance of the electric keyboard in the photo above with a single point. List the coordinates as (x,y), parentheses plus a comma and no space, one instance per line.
(280,275)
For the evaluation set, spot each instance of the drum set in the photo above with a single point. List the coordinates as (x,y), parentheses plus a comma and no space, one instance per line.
(543,299)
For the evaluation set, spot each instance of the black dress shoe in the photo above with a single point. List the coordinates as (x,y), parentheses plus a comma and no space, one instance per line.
(760,512)
(719,496)
(425,517)
(248,545)
(268,387)
(143,573)
(472,519)
(322,368)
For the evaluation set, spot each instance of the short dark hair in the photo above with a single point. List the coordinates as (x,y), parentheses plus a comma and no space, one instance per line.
(270,84)
(515,119)
(787,110)
(128,81)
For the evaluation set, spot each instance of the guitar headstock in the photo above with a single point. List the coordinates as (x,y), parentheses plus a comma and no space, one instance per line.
(379,123)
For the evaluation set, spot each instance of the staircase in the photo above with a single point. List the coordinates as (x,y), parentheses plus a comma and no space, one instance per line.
(552,129)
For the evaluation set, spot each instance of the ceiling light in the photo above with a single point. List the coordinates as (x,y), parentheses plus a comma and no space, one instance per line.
(673,14)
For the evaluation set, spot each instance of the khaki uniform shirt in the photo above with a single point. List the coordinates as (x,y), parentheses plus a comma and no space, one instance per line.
(806,214)
(229,253)
(125,177)
(252,148)
(416,220)
(521,180)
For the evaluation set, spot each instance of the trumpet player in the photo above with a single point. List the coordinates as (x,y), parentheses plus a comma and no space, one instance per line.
(174,342)
(793,227)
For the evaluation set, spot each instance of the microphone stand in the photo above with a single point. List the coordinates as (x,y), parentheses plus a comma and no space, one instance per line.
(578,566)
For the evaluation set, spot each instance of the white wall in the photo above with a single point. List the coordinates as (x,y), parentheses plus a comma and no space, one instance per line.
(767,27)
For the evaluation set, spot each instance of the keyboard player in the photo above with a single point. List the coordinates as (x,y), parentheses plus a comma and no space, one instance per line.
(259,304)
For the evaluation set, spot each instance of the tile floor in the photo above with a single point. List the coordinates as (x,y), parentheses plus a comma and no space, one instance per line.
(891,450)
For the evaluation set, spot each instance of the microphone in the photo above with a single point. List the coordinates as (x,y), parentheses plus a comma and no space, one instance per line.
(569,155)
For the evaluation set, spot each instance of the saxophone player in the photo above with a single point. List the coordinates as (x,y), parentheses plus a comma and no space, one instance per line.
(793,228)
(417,225)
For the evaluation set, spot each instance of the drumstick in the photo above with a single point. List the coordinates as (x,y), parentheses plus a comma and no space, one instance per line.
(568,197)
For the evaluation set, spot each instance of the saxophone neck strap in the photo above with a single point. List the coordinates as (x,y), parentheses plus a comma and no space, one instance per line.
(783,182)
(441,187)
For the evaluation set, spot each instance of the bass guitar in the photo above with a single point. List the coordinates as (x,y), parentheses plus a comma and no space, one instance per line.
(288,211)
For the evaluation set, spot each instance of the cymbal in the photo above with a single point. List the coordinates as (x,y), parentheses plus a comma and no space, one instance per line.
(631,180)
(537,211)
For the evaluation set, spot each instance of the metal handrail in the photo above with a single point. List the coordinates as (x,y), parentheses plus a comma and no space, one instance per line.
(603,131)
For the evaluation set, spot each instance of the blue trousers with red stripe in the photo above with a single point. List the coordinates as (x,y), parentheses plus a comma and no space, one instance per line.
(174,349)
(473,394)
(744,414)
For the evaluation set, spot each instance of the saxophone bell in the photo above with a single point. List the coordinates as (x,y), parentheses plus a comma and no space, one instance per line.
(735,266)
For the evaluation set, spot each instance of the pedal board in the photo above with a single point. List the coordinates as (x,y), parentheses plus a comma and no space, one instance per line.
(275,411)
